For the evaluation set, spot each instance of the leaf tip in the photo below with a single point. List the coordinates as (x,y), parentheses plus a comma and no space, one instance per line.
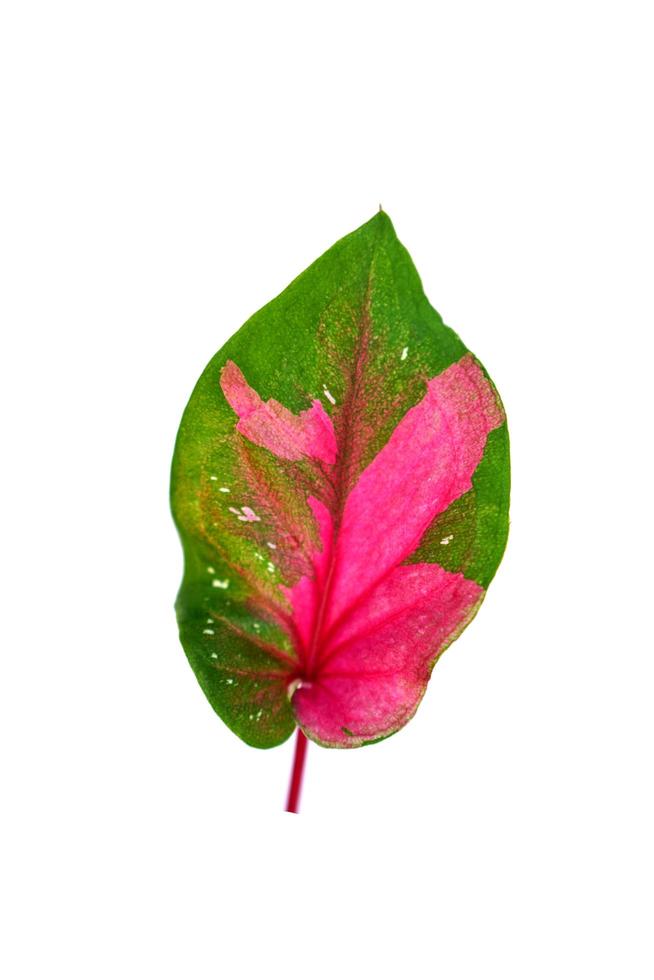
(382,222)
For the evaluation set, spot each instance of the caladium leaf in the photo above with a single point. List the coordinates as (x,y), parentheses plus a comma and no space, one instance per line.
(340,483)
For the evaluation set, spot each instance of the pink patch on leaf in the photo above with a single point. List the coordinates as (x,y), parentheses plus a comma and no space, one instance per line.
(274,427)
(426,464)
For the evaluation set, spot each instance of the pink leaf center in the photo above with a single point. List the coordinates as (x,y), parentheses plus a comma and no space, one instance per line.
(368,627)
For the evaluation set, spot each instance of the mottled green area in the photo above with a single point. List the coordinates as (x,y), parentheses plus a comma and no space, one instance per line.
(355,330)
(240,686)
(244,683)
(470,536)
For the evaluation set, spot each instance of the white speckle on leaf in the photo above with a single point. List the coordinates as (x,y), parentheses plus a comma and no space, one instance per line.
(211,569)
(235,510)
(210,620)
(271,545)
(270,567)
(328,395)
(256,626)
(447,539)
(208,632)
(212,477)
(220,583)
(403,355)
(258,555)
(229,680)
(224,489)
(214,656)
(249,515)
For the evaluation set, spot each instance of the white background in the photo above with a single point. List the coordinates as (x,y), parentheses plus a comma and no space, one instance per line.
(167,168)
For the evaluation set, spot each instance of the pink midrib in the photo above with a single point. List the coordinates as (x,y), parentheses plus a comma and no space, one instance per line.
(313,664)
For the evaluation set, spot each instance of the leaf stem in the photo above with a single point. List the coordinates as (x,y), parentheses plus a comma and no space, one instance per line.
(295,786)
